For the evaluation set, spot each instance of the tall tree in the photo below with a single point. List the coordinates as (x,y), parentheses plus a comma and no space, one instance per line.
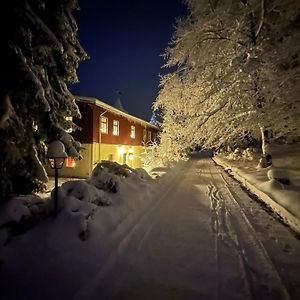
(238,71)
(40,55)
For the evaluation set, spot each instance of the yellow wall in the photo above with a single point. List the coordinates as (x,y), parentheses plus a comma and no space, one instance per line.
(93,153)
(118,153)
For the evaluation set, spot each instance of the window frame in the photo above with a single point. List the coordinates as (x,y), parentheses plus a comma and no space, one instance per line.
(69,119)
(116,127)
(132,132)
(104,125)
(144,138)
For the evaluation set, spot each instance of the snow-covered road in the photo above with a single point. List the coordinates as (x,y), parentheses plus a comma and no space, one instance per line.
(201,237)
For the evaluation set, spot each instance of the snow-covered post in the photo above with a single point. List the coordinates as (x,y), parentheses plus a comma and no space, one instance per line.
(266,159)
(56,157)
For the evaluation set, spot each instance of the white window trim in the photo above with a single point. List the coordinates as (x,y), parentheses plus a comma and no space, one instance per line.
(132,131)
(70,119)
(116,127)
(103,129)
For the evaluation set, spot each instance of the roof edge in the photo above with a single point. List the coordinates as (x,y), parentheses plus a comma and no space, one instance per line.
(104,105)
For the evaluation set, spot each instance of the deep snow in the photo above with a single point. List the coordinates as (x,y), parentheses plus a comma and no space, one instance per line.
(190,234)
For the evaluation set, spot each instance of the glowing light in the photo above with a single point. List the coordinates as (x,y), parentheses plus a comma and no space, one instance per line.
(121,150)
(130,156)
(70,162)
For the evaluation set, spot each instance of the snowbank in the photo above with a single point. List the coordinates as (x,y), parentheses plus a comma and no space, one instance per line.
(277,186)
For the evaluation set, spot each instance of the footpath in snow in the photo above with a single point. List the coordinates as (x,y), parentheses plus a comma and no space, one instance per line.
(191,234)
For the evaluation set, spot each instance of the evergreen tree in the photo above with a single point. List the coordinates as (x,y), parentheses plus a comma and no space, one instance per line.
(40,55)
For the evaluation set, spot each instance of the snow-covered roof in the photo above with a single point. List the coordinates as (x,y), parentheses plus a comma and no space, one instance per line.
(114,110)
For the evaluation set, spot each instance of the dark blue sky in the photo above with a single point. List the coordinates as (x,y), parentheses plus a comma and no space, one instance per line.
(124,39)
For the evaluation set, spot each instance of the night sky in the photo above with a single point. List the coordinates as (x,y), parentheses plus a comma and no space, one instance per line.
(124,39)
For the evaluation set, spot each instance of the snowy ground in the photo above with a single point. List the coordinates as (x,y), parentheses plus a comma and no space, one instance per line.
(190,234)
(282,198)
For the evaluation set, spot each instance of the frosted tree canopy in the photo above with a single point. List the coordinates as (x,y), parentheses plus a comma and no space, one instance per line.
(235,69)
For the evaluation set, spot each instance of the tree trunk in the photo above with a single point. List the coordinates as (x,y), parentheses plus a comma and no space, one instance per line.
(266,159)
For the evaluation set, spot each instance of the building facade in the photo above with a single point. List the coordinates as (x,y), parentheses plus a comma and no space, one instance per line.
(107,133)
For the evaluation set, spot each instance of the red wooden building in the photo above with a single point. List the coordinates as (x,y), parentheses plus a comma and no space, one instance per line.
(108,133)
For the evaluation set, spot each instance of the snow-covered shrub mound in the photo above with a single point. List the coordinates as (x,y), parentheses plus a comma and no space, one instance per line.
(112,167)
(235,155)
(19,214)
(248,154)
(279,175)
(142,173)
(104,181)
(13,210)
(19,207)
(83,191)
(107,175)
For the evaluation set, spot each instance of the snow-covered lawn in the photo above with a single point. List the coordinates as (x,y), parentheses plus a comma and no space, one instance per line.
(282,198)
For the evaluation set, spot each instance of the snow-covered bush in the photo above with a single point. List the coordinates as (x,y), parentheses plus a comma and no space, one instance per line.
(248,154)
(142,173)
(22,206)
(105,176)
(83,191)
(13,211)
(19,214)
(112,167)
(235,155)
(164,153)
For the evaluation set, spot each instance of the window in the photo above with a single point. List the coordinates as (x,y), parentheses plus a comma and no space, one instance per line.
(144,135)
(69,119)
(153,136)
(116,129)
(132,132)
(70,162)
(103,125)
(149,136)
(35,125)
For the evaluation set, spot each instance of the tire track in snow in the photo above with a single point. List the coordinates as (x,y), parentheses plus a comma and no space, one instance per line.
(131,229)
(225,235)
(233,229)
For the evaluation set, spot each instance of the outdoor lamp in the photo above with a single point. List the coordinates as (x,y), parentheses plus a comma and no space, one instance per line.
(56,156)
(130,156)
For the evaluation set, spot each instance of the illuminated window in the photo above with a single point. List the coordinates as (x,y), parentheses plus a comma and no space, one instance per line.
(144,135)
(104,125)
(69,119)
(35,125)
(116,129)
(153,136)
(70,162)
(149,135)
(132,132)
